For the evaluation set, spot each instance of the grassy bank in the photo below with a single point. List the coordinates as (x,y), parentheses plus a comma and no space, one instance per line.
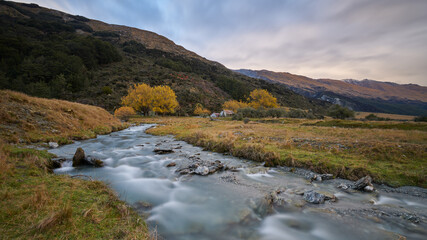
(395,157)
(25,119)
(37,204)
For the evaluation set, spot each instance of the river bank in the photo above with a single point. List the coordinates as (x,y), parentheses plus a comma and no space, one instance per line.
(390,156)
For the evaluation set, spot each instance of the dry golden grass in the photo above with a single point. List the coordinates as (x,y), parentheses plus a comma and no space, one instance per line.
(362,115)
(396,157)
(30,119)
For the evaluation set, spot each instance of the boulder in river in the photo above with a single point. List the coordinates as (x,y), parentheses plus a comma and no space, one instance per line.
(79,157)
(363,184)
(201,167)
(314,197)
(163,151)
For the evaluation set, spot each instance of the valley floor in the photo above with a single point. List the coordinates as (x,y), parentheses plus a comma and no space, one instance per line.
(391,152)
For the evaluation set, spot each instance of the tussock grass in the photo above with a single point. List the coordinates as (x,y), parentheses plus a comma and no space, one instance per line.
(36,204)
(25,119)
(392,156)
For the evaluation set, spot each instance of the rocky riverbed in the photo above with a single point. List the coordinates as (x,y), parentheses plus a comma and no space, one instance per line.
(187,193)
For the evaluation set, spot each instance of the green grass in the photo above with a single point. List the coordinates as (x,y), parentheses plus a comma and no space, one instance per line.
(408,126)
(36,204)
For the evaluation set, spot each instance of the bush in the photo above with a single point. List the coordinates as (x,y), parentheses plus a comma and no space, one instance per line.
(107,90)
(124,113)
(339,112)
(237,116)
(246,120)
(420,119)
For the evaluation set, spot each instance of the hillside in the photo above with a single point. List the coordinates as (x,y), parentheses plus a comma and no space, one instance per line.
(25,119)
(365,95)
(48,53)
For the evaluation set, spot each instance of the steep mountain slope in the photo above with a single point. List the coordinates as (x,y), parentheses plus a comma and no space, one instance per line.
(366,95)
(48,53)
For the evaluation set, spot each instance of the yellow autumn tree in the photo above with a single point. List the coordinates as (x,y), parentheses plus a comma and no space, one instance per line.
(124,112)
(164,100)
(140,98)
(262,98)
(200,110)
(233,105)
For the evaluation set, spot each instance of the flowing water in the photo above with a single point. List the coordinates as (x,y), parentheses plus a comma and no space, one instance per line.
(232,204)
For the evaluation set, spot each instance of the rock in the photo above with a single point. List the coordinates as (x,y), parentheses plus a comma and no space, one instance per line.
(143,206)
(163,151)
(327,176)
(79,157)
(53,145)
(368,188)
(98,163)
(362,183)
(319,177)
(202,170)
(94,161)
(314,197)
(56,162)
(172,164)
(343,186)
(329,196)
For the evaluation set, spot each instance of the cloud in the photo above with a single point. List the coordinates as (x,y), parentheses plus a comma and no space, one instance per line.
(382,40)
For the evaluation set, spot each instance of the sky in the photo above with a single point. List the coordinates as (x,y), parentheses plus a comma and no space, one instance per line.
(384,40)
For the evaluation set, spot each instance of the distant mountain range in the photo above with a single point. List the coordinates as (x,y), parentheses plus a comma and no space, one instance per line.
(365,95)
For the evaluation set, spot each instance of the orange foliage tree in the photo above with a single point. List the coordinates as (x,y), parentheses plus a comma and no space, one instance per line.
(124,112)
(164,100)
(200,110)
(140,98)
(262,98)
(234,105)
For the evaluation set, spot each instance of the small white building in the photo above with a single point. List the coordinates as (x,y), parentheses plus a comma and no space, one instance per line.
(214,115)
(225,113)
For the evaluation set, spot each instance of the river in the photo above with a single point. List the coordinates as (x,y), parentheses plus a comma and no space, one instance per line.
(235,204)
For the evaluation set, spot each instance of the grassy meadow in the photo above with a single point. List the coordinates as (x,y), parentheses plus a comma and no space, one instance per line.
(393,155)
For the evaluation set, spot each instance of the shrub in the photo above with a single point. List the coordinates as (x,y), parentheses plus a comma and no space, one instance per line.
(246,120)
(107,90)
(124,113)
(337,111)
(420,119)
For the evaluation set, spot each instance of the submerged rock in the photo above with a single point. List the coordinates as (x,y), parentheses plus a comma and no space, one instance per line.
(163,151)
(172,164)
(94,161)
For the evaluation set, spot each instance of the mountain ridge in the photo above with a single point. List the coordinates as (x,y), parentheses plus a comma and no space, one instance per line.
(361,91)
